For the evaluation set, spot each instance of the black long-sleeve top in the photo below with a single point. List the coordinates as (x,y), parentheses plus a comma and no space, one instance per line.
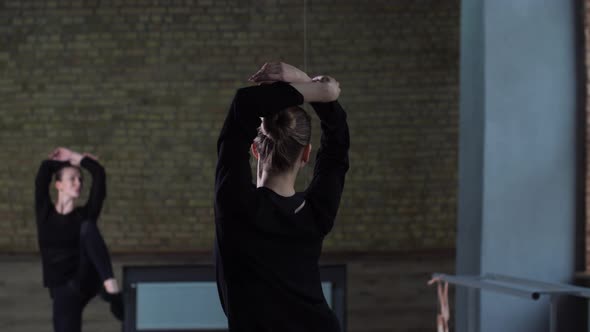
(59,234)
(267,246)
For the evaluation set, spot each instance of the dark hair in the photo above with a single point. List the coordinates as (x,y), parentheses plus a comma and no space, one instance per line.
(59,172)
(282,137)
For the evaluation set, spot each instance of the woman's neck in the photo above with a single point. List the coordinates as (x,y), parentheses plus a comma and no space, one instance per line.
(282,184)
(64,205)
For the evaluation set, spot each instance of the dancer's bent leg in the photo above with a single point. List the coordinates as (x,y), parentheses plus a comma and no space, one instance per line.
(95,259)
(94,252)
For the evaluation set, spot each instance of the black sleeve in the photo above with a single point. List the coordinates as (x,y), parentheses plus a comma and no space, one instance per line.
(98,191)
(233,179)
(42,181)
(331,163)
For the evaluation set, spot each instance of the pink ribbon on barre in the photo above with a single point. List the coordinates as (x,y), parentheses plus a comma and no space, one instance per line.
(442,319)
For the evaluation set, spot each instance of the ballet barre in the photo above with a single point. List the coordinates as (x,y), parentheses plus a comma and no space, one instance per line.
(519,287)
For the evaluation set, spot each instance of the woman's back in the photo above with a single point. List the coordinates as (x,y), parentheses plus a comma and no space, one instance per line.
(272,266)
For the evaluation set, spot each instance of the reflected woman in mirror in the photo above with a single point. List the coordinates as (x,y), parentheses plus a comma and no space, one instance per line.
(75,259)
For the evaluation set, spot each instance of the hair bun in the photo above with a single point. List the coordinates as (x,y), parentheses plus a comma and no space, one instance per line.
(277,125)
(281,138)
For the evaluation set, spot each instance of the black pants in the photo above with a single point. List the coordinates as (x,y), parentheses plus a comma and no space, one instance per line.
(94,268)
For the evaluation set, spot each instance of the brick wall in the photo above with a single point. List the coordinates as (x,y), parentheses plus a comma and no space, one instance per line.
(145,86)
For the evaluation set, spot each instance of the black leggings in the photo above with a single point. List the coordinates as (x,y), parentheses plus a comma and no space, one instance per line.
(94,268)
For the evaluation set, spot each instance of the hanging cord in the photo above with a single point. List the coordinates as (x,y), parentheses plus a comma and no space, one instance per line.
(305,36)
(442,319)
(306,172)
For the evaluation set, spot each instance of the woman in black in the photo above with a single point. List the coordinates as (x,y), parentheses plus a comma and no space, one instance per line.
(75,260)
(269,237)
